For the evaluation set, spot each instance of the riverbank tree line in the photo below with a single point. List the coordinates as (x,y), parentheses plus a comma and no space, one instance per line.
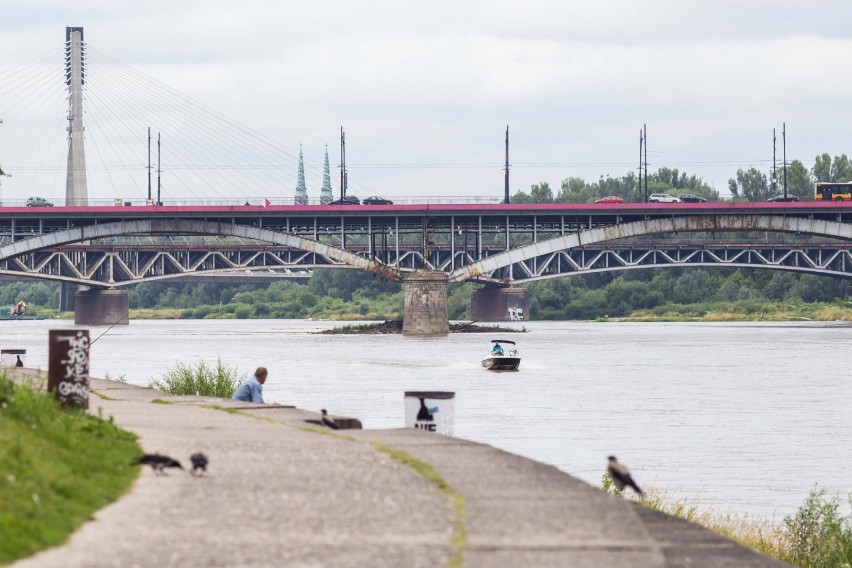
(337,294)
(752,184)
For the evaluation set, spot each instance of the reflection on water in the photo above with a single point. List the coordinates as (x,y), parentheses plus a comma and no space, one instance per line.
(747,416)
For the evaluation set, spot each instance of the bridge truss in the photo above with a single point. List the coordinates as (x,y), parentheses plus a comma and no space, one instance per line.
(114,247)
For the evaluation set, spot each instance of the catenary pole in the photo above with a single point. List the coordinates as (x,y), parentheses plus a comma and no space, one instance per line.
(506,198)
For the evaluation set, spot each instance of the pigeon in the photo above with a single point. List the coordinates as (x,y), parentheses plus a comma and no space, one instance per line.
(199,464)
(620,475)
(157,462)
(328,420)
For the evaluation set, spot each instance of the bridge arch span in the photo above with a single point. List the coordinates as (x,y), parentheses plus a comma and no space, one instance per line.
(718,223)
(192,227)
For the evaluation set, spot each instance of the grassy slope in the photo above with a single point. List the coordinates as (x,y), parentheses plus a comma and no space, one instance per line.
(57,467)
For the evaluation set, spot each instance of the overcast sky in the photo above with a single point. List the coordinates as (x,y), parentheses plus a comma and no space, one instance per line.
(425,90)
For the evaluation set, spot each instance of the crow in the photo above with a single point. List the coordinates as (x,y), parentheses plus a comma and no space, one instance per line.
(328,420)
(620,475)
(199,464)
(157,462)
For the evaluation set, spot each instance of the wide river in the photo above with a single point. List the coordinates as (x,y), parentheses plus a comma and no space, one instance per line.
(742,417)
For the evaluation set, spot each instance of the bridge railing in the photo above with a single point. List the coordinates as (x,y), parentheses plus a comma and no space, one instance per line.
(256,201)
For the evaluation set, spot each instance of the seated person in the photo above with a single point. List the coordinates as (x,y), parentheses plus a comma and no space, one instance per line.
(497,349)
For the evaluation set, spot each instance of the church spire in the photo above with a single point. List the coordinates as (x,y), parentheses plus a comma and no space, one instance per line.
(301,190)
(326,194)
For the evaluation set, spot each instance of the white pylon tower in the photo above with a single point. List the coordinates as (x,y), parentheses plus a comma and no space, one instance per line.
(76,191)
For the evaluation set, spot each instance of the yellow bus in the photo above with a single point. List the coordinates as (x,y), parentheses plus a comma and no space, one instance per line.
(833,191)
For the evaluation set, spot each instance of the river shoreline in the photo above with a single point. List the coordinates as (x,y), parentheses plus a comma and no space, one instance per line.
(384,498)
(395,326)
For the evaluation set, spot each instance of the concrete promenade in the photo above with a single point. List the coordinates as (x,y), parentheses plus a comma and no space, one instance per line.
(281,491)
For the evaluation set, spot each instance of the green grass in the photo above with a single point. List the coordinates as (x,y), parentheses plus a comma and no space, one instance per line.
(57,467)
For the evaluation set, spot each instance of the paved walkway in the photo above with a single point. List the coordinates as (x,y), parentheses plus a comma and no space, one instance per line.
(282,492)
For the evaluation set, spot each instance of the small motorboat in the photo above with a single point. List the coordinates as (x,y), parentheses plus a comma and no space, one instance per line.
(504,356)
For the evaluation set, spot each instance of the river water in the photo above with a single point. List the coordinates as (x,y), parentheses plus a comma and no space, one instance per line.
(742,417)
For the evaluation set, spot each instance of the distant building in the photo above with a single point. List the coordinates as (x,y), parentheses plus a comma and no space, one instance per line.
(326,194)
(301,190)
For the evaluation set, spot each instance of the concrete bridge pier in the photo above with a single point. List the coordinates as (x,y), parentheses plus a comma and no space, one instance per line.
(67,296)
(425,308)
(500,304)
(102,307)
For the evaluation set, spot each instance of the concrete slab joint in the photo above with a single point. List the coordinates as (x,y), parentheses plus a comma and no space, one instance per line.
(425,308)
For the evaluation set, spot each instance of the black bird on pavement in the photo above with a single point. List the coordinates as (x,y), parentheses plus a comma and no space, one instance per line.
(157,462)
(328,420)
(620,475)
(199,464)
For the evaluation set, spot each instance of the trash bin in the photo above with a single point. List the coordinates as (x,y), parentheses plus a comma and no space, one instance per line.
(433,411)
(13,357)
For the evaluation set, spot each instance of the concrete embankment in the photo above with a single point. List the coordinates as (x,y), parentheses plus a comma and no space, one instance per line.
(281,491)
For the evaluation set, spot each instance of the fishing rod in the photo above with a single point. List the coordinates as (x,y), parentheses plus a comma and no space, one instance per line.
(110,327)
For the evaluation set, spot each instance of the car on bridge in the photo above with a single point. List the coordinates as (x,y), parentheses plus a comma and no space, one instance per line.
(346,200)
(784,198)
(38,202)
(691,198)
(662,198)
(376,200)
(610,199)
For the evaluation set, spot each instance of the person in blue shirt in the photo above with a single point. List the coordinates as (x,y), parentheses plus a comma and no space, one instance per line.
(252,388)
(497,349)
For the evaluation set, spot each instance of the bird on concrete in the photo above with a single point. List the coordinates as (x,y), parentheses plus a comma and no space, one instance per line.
(328,420)
(157,462)
(620,475)
(199,464)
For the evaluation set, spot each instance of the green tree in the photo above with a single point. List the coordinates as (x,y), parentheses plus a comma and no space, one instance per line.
(799,181)
(541,193)
(779,286)
(693,286)
(624,296)
(521,197)
(750,184)
(575,190)
(625,187)
(841,169)
(822,168)
(826,169)
(811,288)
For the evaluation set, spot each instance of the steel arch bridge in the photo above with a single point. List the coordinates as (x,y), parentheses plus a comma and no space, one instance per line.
(501,245)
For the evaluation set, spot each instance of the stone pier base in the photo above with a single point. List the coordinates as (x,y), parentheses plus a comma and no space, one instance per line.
(425,310)
(102,307)
(500,304)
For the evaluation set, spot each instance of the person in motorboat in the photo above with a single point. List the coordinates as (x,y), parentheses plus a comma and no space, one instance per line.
(497,349)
